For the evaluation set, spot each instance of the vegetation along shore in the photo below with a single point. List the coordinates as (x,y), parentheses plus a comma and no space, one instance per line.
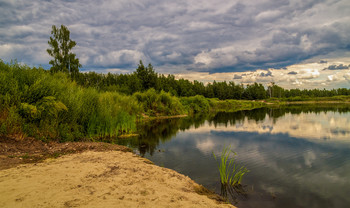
(53,106)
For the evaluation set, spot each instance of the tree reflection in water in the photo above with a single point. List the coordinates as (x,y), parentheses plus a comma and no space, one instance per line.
(151,133)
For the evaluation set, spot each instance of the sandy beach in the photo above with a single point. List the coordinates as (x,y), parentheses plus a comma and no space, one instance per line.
(100,179)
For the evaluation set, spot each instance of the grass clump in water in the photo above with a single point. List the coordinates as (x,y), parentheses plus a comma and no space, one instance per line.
(230,173)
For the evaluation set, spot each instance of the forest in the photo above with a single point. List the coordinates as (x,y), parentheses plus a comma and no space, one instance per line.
(145,78)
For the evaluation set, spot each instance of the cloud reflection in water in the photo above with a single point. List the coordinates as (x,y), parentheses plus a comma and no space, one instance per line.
(285,150)
(330,125)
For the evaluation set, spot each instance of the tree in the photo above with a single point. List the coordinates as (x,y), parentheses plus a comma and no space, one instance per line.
(254,92)
(147,75)
(60,49)
(274,90)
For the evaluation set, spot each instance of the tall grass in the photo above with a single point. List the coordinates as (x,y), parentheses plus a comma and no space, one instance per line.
(115,115)
(34,102)
(230,173)
(339,98)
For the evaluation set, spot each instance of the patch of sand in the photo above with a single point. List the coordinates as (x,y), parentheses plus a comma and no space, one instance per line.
(99,179)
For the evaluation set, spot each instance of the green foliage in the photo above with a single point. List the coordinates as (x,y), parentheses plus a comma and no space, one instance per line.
(49,107)
(254,92)
(11,122)
(28,111)
(275,91)
(60,49)
(230,173)
(113,115)
(156,104)
(37,103)
(147,75)
(337,98)
(196,104)
(234,105)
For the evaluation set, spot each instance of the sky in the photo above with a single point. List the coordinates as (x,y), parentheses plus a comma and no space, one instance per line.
(295,43)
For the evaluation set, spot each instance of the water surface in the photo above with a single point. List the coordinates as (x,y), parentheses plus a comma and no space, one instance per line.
(298,156)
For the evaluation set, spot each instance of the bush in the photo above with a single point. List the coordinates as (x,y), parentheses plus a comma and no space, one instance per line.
(156,104)
(196,104)
(51,106)
(234,105)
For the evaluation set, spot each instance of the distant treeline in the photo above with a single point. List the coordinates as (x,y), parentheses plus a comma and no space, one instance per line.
(145,78)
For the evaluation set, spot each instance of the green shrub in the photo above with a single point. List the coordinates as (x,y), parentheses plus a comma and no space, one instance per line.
(234,105)
(196,104)
(51,106)
(13,122)
(155,104)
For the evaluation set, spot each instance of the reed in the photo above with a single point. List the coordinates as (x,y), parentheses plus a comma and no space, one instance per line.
(230,173)
(35,102)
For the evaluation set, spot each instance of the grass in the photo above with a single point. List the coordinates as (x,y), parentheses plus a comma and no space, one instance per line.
(233,105)
(306,99)
(34,102)
(230,173)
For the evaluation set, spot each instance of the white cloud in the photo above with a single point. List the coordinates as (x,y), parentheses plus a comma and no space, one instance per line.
(308,74)
(302,125)
(268,15)
(205,145)
(333,77)
(309,158)
(119,57)
(203,58)
(297,83)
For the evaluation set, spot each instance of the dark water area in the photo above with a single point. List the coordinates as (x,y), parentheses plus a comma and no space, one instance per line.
(298,156)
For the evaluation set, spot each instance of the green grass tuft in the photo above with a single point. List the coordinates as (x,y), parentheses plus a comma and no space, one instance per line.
(230,173)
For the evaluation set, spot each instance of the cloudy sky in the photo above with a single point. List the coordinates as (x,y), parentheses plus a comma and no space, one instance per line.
(295,43)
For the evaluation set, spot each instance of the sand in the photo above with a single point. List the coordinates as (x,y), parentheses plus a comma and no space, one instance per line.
(99,179)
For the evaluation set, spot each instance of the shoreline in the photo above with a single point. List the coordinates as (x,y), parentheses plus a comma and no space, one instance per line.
(317,102)
(283,102)
(97,175)
(150,118)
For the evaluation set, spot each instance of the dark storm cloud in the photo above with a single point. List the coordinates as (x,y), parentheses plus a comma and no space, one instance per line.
(292,73)
(267,74)
(178,35)
(337,67)
(236,76)
(323,62)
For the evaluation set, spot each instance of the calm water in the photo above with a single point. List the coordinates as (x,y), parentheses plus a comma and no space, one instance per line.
(297,156)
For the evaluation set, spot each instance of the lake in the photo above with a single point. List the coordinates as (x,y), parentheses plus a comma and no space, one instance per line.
(298,156)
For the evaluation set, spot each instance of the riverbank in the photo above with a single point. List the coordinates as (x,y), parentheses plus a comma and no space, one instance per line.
(316,102)
(310,100)
(91,175)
